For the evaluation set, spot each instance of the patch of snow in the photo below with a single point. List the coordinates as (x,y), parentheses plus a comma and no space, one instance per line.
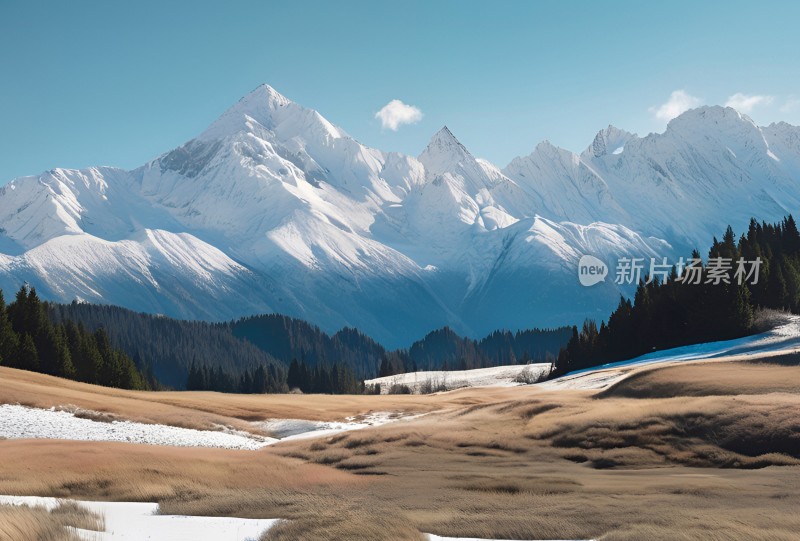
(502,376)
(18,422)
(294,429)
(133,521)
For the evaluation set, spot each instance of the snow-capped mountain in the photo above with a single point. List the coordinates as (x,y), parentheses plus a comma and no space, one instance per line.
(274,208)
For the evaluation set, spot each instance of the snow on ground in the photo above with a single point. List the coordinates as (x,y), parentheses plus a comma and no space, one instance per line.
(126,521)
(782,337)
(294,429)
(22,422)
(453,379)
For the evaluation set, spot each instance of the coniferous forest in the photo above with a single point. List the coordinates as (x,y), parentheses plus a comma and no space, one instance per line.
(235,356)
(29,340)
(169,347)
(113,346)
(675,312)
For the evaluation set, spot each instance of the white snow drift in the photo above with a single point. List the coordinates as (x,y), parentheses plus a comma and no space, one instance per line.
(292,429)
(23,422)
(138,521)
(126,521)
(456,379)
(18,422)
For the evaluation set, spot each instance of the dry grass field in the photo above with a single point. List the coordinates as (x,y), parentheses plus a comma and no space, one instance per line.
(206,410)
(37,524)
(704,450)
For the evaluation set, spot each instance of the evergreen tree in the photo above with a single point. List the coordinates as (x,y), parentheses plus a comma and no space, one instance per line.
(9,342)
(28,357)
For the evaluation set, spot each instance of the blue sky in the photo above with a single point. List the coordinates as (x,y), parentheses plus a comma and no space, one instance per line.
(117,83)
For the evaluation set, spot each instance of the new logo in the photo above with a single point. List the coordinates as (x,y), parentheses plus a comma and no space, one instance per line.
(591,271)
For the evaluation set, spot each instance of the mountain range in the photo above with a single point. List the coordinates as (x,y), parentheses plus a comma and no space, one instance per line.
(275,209)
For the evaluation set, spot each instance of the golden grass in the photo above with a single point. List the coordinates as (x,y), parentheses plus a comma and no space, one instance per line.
(205,410)
(513,463)
(484,476)
(779,375)
(22,523)
(124,472)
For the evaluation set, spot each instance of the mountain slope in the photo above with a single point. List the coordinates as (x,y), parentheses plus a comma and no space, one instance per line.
(274,208)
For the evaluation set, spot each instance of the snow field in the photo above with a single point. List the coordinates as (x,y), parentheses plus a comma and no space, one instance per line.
(454,379)
(129,521)
(18,422)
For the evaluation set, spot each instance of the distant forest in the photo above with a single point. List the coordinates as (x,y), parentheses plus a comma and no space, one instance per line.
(169,347)
(258,353)
(671,313)
(30,340)
(113,346)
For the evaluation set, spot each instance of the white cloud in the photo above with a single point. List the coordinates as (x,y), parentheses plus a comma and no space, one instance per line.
(396,113)
(744,103)
(678,102)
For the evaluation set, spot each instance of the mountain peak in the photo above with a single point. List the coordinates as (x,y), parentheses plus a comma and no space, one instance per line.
(547,148)
(444,152)
(611,140)
(445,138)
(264,93)
(445,134)
(712,113)
(260,104)
(712,120)
(444,142)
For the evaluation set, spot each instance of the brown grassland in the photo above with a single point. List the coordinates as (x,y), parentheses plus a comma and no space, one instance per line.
(702,450)
(38,524)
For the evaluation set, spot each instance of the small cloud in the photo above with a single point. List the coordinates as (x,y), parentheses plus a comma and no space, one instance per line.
(396,113)
(678,102)
(744,103)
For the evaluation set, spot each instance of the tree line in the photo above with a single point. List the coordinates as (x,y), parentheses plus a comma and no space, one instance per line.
(444,349)
(676,312)
(259,380)
(170,346)
(29,340)
(320,378)
(323,378)
(287,338)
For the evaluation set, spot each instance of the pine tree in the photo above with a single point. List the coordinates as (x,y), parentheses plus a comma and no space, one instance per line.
(64,366)
(28,357)
(293,379)
(9,343)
